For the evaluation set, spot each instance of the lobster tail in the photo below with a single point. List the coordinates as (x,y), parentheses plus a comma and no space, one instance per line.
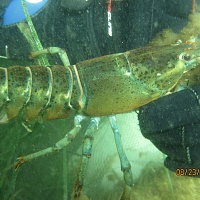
(36,90)
(15,90)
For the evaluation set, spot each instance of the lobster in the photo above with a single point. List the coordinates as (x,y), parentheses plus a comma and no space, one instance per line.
(103,86)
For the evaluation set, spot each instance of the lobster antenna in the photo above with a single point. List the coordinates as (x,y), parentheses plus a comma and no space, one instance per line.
(193,6)
(25,30)
(34,41)
(169,181)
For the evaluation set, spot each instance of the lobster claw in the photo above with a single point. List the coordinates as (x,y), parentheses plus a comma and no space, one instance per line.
(19,162)
(3,117)
(77,190)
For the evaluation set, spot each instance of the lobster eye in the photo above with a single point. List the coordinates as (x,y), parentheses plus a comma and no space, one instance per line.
(187,57)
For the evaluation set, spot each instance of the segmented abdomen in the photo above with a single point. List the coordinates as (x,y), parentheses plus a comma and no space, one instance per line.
(35,90)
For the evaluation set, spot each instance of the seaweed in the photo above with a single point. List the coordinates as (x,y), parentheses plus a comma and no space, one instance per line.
(168,36)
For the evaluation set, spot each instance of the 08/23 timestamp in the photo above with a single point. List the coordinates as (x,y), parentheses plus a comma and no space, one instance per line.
(188,171)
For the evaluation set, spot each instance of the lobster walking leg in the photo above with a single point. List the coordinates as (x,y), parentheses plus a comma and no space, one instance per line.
(59,145)
(53,50)
(86,154)
(125,164)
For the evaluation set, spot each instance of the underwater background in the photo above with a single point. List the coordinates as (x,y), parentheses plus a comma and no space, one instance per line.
(81,29)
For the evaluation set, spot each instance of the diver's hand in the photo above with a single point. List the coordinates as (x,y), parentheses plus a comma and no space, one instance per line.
(172,123)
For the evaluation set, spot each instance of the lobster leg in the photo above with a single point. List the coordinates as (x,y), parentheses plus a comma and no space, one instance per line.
(86,154)
(53,50)
(59,145)
(125,164)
